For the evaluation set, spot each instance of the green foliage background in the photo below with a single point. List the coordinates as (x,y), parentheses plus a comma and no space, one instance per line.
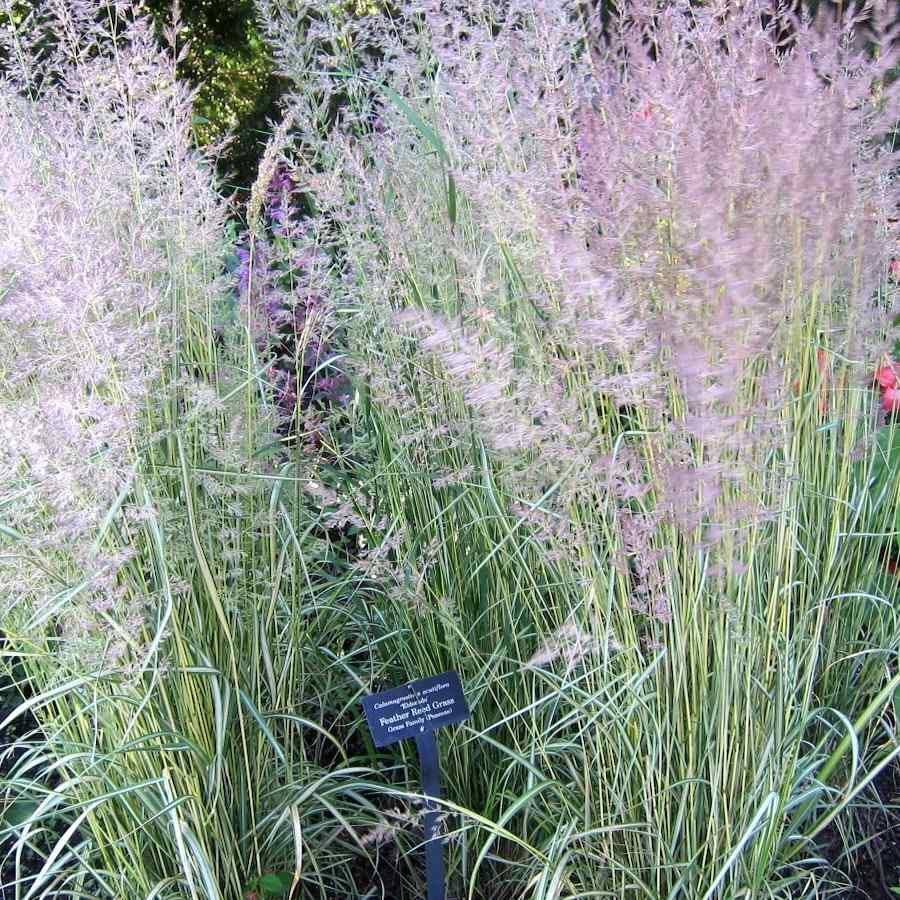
(239,89)
(230,62)
(227,60)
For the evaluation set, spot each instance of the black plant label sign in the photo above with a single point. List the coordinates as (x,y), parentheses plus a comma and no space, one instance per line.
(416,710)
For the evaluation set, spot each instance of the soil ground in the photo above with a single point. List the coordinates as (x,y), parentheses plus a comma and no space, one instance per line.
(877,868)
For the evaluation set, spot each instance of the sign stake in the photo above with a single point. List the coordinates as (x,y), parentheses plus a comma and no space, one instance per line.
(416,710)
(431,785)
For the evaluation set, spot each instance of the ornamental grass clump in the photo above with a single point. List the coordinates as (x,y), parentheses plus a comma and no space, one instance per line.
(164,604)
(90,290)
(614,300)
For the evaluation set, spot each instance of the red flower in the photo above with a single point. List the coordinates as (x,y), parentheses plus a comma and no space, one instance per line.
(890,399)
(894,269)
(886,375)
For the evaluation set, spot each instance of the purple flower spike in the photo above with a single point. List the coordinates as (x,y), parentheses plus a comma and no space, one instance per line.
(275,308)
(243,270)
(282,182)
(277,212)
(331,387)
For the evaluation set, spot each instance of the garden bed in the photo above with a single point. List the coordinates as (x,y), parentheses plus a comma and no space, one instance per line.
(553,353)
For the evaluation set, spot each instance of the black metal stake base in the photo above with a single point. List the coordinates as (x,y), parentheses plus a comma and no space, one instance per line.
(431,785)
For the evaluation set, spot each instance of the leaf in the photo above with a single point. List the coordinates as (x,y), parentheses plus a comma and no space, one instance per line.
(886,458)
(884,472)
(424,128)
(18,812)
(451,199)
(263,727)
(269,449)
(428,131)
(11,532)
(275,885)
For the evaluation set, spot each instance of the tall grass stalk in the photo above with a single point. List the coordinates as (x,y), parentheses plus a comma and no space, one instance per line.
(614,306)
(171,606)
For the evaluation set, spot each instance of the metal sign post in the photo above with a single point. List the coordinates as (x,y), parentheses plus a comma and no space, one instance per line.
(416,710)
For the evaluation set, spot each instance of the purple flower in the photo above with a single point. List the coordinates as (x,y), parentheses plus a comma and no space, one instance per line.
(282,183)
(285,385)
(280,188)
(277,212)
(243,270)
(274,306)
(330,386)
(252,258)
